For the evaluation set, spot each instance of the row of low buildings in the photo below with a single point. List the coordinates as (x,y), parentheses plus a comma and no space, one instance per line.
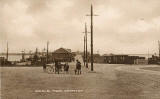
(124,59)
(118,59)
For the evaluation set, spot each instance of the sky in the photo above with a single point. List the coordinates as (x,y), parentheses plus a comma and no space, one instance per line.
(122,26)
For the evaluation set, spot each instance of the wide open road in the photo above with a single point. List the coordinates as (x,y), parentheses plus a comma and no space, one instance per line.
(105,83)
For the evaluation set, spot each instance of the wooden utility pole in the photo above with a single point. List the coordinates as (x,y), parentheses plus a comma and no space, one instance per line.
(86,45)
(84,56)
(7,52)
(92,38)
(91,15)
(47,50)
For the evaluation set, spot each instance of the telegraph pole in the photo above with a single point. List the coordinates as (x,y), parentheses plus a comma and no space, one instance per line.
(91,38)
(84,56)
(86,46)
(91,15)
(47,50)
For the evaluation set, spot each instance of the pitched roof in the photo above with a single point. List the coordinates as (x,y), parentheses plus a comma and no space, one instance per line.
(62,50)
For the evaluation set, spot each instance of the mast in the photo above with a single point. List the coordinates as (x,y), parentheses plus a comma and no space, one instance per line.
(84,56)
(23,55)
(47,50)
(7,52)
(159,48)
(148,53)
(36,55)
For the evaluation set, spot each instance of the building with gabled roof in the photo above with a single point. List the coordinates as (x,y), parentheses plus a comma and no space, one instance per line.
(63,55)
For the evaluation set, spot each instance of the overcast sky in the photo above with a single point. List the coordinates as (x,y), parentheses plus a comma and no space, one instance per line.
(123,26)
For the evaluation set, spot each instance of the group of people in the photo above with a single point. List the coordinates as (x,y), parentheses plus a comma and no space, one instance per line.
(58,67)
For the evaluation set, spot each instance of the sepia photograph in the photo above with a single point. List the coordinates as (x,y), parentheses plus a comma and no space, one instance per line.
(79,49)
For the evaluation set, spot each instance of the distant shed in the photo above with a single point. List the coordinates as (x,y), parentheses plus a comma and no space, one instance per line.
(115,59)
(63,55)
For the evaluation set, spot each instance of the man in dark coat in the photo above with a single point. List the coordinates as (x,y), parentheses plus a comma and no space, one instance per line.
(57,66)
(66,67)
(78,67)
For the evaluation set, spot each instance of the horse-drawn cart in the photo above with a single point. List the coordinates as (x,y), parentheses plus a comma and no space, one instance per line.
(50,68)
